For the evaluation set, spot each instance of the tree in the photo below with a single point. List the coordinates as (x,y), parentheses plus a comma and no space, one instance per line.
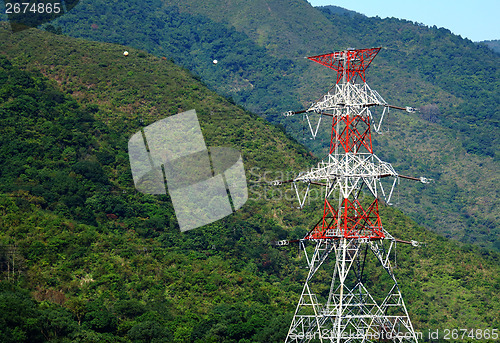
(18,316)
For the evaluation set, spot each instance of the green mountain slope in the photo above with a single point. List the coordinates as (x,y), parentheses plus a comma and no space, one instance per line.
(493,45)
(260,47)
(122,272)
(244,70)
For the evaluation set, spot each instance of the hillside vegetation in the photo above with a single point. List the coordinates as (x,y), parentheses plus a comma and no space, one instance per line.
(86,258)
(493,45)
(260,48)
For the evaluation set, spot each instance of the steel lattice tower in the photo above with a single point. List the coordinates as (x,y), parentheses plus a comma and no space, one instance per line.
(350,231)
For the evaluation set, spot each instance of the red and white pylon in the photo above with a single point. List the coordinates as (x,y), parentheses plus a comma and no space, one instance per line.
(350,230)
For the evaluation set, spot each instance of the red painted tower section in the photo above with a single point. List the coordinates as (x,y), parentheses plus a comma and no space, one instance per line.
(350,134)
(349,63)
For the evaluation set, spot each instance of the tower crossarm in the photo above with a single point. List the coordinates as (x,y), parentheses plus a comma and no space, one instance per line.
(347,173)
(412,242)
(407,108)
(314,109)
(347,100)
(346,166)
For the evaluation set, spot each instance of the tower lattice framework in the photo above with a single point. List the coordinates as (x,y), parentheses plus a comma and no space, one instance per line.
(349,233)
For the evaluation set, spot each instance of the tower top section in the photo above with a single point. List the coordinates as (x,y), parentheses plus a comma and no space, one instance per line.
(349,63)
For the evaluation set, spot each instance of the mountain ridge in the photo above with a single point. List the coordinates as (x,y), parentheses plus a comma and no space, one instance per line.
(264,71)
(492,44)
(131,275)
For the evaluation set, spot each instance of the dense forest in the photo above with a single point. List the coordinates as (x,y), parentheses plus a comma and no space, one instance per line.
(86,258)
(493,45)
(260,48)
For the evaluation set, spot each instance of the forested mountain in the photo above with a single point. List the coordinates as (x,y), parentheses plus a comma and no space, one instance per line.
(86,258)
(493,45)
(260,48)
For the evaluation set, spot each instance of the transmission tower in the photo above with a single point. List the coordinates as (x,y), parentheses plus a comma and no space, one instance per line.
(350,308)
